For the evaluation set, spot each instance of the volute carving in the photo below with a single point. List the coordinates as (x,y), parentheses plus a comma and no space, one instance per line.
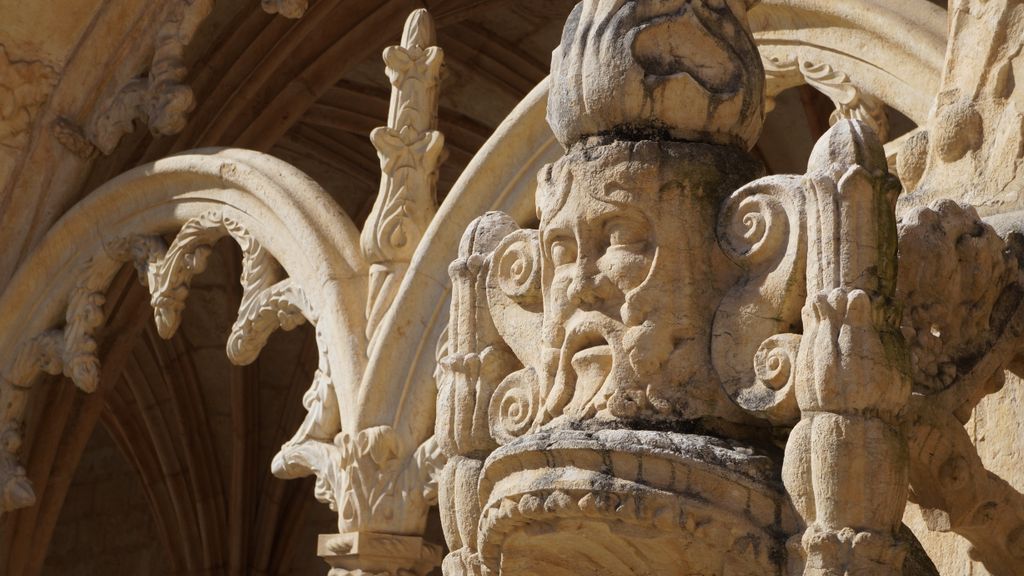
(580,355)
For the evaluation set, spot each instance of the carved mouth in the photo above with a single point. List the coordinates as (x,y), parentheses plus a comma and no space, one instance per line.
(588,338)
(589,352)
(590,345)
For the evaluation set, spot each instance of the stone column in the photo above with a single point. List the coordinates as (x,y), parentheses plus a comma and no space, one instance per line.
(587,428)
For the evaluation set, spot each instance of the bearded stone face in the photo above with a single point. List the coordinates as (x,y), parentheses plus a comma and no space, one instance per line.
(628,269)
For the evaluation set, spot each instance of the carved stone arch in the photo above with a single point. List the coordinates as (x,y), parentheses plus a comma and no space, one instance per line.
(501,176)
(837,46)
(278,216)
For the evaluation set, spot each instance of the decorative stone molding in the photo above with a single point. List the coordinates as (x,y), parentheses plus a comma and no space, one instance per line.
(615,384)
(24,88)
(628,482)
(200,198)
(71,137)
(574,348)
(622,72)
(973,142)
(373,554)
(268,301)
(851,101)
(365,479)
(852,366)
(380,496)
(410,150)
(160,98)
(959,354)
(808,334)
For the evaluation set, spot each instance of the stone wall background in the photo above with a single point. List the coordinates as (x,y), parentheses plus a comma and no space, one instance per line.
(105,526)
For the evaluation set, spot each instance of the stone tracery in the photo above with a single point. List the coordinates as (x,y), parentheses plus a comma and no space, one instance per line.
(653,321)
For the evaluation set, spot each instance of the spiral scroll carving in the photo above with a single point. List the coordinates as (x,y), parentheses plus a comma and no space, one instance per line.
(754,227)
(517,266)
(514,406)
(772,393)
(773,362)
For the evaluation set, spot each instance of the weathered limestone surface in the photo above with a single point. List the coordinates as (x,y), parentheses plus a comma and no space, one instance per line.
(685,367)
(621,313)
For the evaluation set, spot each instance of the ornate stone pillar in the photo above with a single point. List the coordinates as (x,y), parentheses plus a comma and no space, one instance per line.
(613,377)
(587,428)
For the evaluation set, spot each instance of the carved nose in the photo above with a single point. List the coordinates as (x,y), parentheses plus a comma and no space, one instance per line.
(589,287)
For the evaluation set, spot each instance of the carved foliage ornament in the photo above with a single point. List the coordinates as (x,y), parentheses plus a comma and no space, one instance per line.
(574,326)
(851,101)
(24,88)
(616,70)
(160,97)
(410,150)
(268,303)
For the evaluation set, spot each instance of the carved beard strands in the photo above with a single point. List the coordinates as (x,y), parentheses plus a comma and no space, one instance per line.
(662,311)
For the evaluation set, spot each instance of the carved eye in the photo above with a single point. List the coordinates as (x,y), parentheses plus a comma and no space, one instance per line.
(563,251)
(626,234)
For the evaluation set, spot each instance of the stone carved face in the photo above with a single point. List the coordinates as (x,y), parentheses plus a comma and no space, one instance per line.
(685,69)
(627,268)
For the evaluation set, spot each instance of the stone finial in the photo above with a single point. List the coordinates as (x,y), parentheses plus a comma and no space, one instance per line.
(658,69)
